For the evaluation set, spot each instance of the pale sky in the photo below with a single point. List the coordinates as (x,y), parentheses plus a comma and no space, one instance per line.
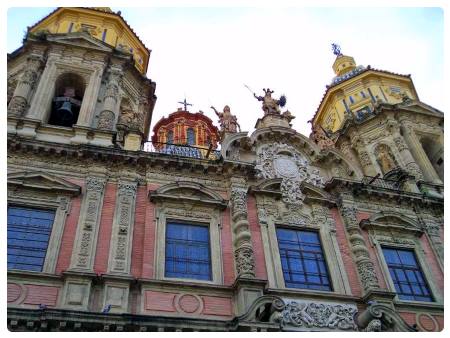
(208,54)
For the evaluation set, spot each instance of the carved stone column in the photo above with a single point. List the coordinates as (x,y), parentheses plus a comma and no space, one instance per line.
(347,150)
(420,155)
(364,158)
(20,100)
(410,164)
(122,229)
(107,116)
(243,248)
(86,238)
(90,95)
(365,266)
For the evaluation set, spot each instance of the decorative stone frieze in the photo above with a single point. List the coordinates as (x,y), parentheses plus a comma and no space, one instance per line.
(365,266)
(122,229)
(319,315)
(87,230)
(243,249)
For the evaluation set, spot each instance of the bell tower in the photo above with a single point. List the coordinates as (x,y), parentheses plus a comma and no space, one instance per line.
(80,78)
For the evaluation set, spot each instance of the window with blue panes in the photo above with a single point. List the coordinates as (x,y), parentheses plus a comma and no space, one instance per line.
(190,136)
(187,251)
(302,260)
(29,231)
(406,274)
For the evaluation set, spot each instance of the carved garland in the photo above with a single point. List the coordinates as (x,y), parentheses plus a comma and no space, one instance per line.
(320,315)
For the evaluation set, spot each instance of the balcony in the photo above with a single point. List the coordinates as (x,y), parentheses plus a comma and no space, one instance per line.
(382,183)
(182,150)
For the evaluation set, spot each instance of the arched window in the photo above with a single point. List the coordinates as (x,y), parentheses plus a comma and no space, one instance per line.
(170,137)
(190,136)
(435,154)
(69,91)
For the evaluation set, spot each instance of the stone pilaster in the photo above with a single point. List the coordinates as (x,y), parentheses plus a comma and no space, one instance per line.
(365,266)
(413,142)
(91,94)
(364,157)
(410,164)
(107,116)
(20,100)
(243,248)
(122,229)
(87,230)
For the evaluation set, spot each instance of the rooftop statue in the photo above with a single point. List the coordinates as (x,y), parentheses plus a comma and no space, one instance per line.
(270,105)
(228,122)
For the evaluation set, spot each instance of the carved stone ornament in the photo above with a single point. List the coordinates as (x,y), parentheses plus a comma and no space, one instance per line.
(239,200)
(245,263)
(112,90)
(95,184)
(106,120)
(373,326)
(319,315)
(17,106)
(29,77)
(279,160)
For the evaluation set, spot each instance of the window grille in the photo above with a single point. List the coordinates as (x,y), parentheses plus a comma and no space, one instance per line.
(302,260)
(187,251)
(406,274)
(29,231)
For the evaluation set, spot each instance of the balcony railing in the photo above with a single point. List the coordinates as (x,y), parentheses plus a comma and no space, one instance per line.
(181,150)
(382,183)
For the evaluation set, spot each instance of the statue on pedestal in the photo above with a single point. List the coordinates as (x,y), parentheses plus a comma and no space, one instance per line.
(228,122)
(385,159)
(270,105)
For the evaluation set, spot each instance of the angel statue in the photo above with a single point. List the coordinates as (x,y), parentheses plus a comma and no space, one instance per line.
(228,122)
(270,105)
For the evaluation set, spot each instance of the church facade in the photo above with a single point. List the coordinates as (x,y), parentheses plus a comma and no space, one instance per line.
(204,229)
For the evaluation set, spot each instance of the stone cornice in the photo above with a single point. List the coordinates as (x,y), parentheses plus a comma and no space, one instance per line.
(360,189)
(108,155)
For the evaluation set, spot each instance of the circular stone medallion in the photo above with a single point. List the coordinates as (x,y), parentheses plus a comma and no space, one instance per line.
(285,167)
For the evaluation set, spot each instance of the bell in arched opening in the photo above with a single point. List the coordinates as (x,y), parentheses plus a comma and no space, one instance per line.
(67,101)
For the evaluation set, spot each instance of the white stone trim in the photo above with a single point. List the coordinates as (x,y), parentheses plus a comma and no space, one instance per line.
(407,242)
(200,215)
(58,203)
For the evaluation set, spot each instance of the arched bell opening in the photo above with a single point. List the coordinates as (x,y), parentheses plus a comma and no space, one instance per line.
(69,91)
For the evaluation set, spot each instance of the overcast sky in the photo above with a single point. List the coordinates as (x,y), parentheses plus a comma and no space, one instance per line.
(208,54)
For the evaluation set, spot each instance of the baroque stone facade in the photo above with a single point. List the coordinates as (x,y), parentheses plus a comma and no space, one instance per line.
(354,190)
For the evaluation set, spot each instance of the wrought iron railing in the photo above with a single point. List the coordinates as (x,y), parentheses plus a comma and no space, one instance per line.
(382,183)
(182,150)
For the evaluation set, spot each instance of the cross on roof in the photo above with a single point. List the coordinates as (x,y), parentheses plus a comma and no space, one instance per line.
(185,104)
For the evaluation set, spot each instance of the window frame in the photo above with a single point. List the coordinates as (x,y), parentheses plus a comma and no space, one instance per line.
(60,207)
(175,213)
(409,242)
(322,252)
(330,248)
(53,211)
(390,247)
(197,224)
